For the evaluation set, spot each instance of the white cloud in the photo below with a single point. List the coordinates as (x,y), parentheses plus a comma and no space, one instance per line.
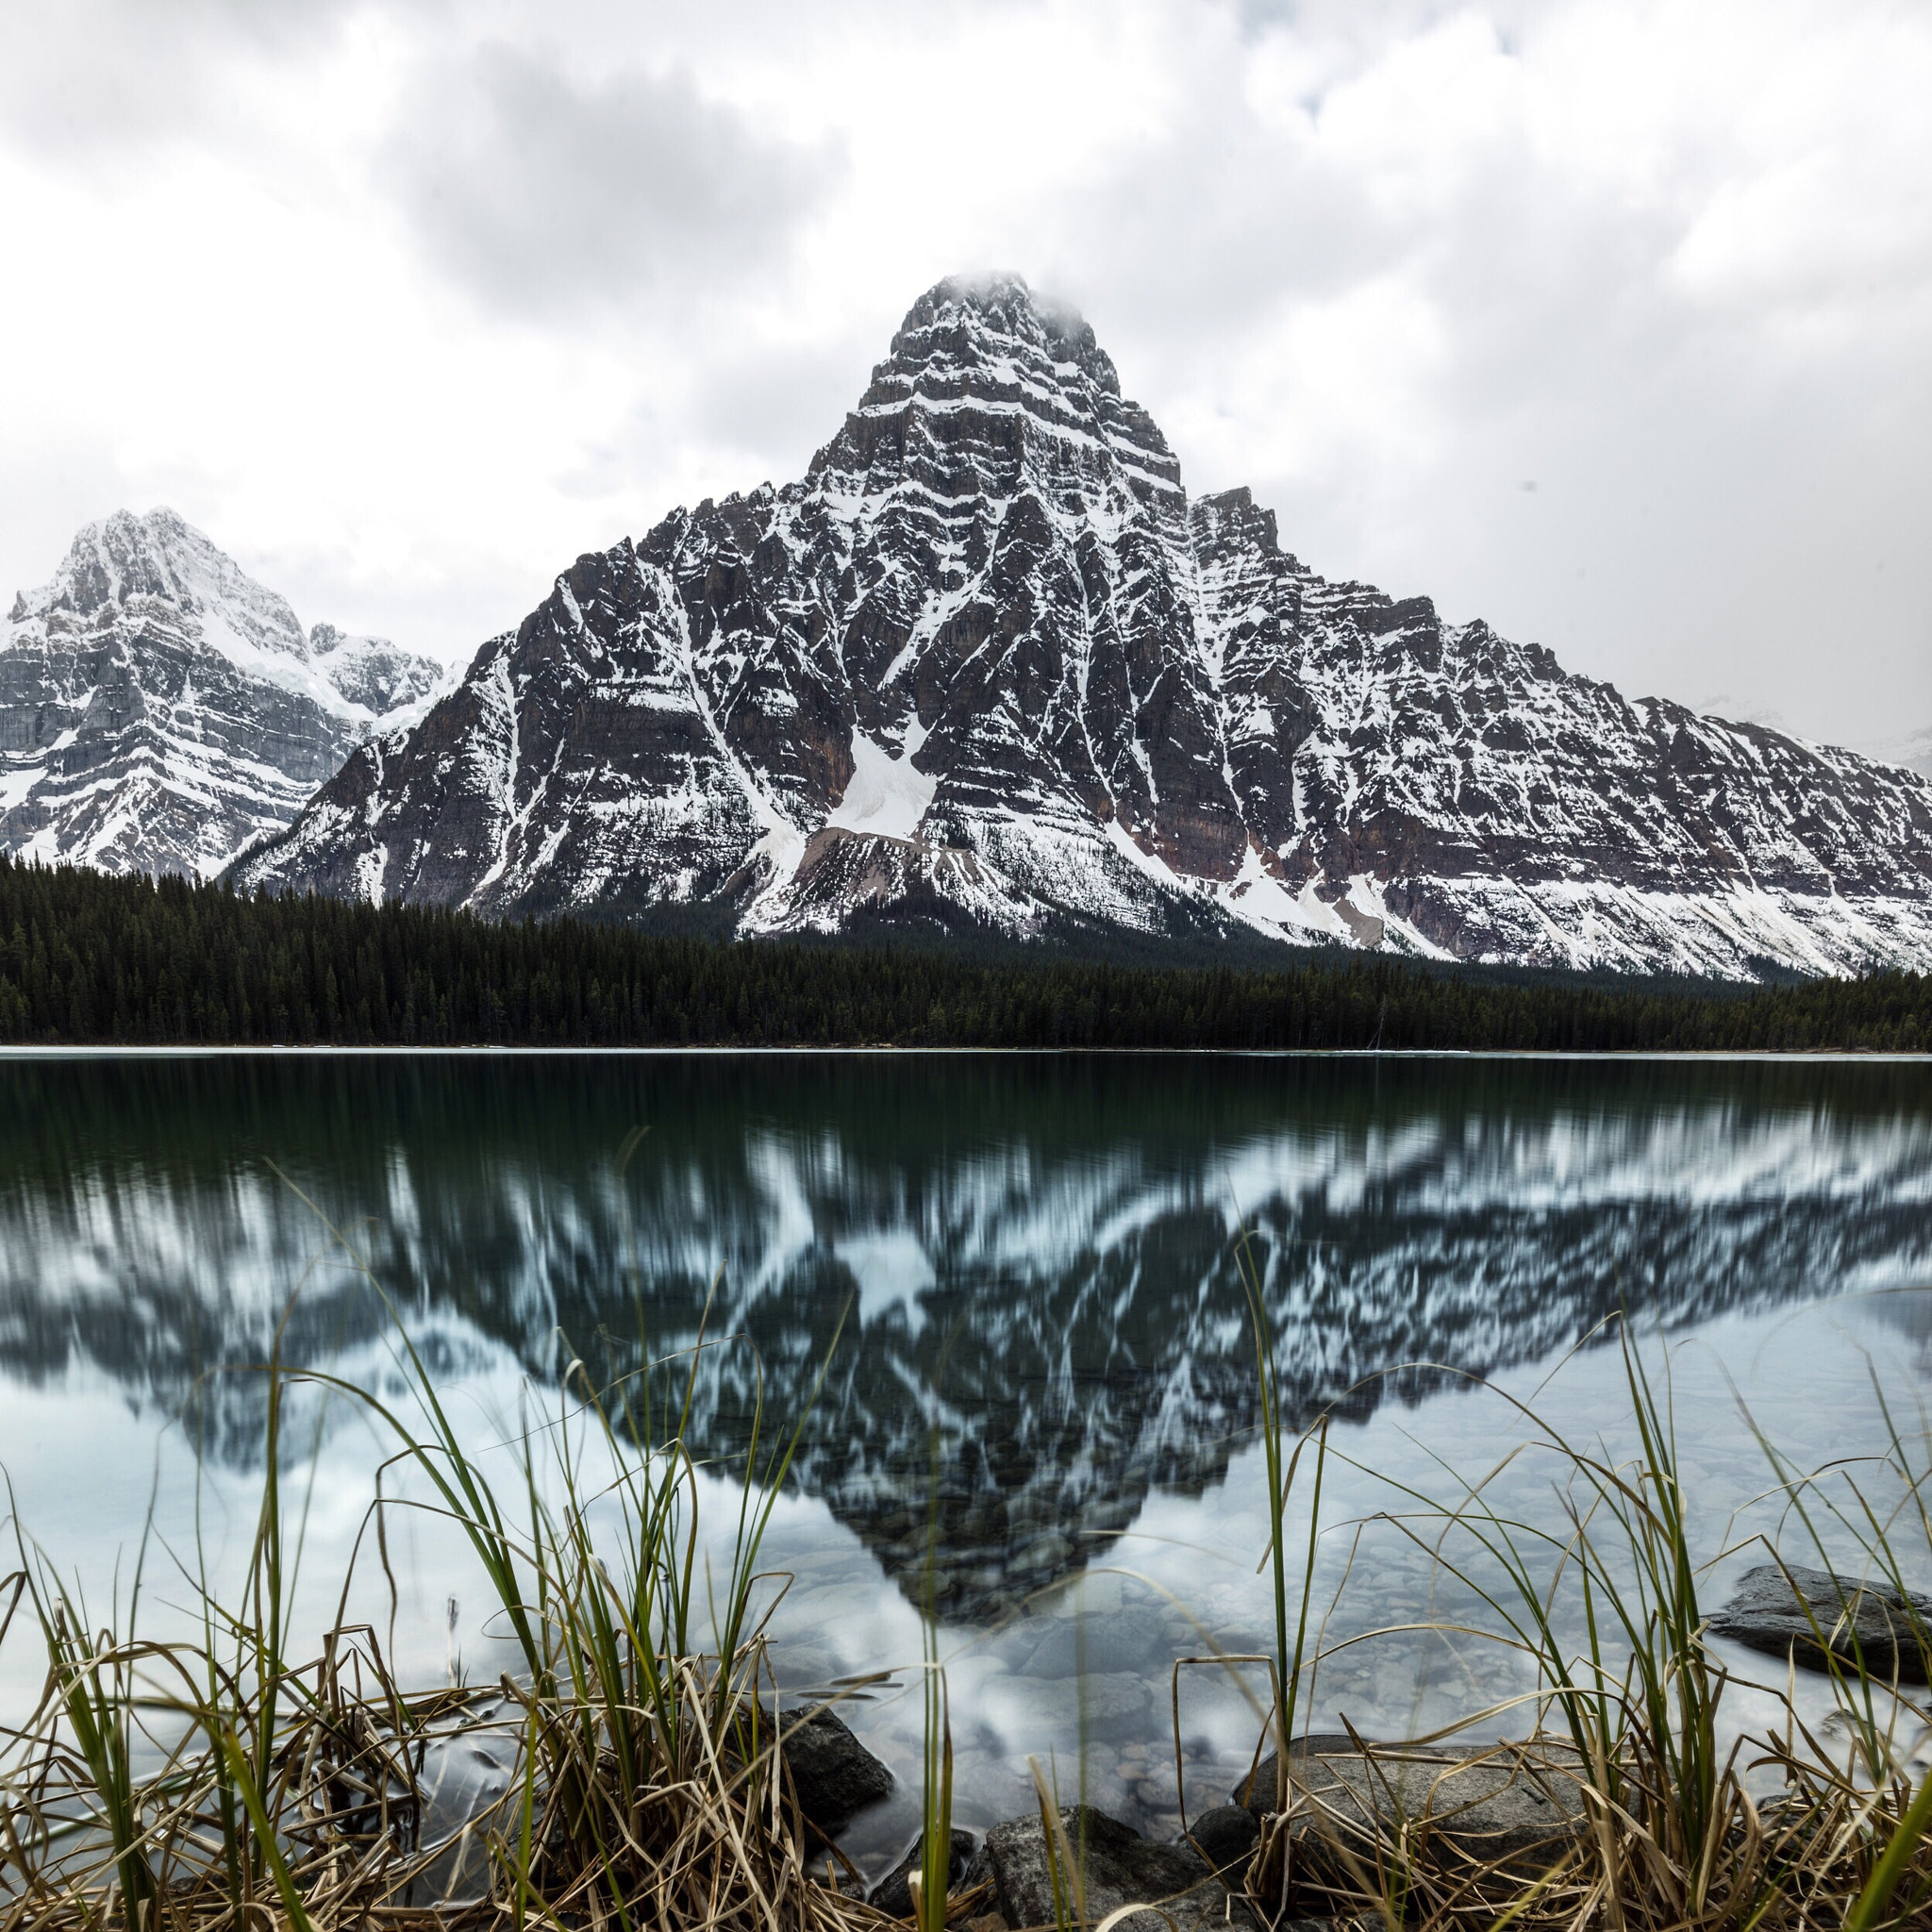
(407,306)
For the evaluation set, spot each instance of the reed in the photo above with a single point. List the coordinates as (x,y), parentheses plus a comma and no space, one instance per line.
(934,1881)
(1282,1465)
(195,1786)
(932,1893)
(1672,1840)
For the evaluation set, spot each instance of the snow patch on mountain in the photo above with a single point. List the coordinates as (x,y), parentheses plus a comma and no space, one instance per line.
(885,795)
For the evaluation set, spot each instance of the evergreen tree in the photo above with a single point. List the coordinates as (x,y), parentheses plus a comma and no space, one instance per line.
(91,959)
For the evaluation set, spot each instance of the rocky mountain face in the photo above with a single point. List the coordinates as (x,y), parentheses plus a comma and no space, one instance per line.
(159,709)
(986,665)
(388,683)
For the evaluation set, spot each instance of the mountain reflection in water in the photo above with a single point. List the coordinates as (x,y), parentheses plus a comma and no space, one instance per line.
(1039,1254)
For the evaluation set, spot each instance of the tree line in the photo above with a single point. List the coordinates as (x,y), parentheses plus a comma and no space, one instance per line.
(89,959)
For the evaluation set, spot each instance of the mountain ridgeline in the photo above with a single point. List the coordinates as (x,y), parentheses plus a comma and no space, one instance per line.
(987,669)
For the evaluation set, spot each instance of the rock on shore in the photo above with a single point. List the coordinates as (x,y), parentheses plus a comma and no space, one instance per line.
(833,1773)
(1120,1868)
(893,1893)
(1790,1611)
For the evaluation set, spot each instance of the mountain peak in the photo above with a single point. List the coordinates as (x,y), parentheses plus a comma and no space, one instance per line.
(991,391)
(127,560)
(982,668)
(372,672)
(999,304)
(159,708)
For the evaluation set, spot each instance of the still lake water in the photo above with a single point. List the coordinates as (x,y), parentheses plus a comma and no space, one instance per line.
(1046,1368)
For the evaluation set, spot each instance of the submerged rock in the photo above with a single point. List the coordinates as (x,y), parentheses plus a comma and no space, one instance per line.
(1786,1612)
(1103,1707)
(1122,1868)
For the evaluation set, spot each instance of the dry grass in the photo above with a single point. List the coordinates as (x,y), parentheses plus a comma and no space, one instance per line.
(703,1831)
(1627,1735)
(197,1785)
(1806,1860)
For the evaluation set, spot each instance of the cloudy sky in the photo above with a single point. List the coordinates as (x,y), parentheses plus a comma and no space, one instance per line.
(1608,321)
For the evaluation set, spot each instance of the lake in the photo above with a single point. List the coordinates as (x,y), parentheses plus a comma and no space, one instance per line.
(1040,1410)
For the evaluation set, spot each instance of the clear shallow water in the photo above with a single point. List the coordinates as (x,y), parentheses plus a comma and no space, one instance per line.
(1045,1371)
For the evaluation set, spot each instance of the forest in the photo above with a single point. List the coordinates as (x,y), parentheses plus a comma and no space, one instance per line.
(87,959)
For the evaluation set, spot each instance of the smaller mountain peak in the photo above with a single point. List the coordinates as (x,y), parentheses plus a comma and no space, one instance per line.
(371,671)
(161,559)
(125,536)
(125,554)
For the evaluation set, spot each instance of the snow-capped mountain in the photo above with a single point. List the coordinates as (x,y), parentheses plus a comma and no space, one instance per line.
(388,683)
(986,664)
(159,709)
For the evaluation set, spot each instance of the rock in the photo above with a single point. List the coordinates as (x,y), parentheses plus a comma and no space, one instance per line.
(1112,1707)
(1101,1646)
(893,1894)
(1515,1802)
(1225,1838)
(833,1773)
(1256,1792)
(1122,1868)
(1784,1612)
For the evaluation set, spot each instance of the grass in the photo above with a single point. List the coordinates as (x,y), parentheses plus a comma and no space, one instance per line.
(227,1784)
(932,1886)
(1670,1837)
(194,1785)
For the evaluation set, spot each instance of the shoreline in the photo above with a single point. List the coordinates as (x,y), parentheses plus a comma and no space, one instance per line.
(318,1050)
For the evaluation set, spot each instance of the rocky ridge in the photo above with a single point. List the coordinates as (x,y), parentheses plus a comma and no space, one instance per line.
(159,709)
(986,665)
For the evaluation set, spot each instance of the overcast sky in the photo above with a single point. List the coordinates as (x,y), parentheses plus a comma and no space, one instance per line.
(1608,321)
